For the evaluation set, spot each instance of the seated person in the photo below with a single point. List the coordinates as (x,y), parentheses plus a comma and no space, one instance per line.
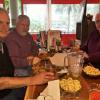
(21,46)
(92,46)
(7,79)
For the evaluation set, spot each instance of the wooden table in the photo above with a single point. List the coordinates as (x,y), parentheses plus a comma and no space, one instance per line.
(34,91)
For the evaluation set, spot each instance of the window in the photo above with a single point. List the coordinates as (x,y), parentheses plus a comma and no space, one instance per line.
(93,9)
(63,16)
(9,6)
(38,16)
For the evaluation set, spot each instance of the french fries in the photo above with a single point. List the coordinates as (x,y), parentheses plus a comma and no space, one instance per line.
(90,70)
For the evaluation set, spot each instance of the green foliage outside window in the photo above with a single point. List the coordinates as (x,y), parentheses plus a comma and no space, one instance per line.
(6,4)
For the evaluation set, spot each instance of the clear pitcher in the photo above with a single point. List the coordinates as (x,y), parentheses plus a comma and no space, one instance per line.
(75,64)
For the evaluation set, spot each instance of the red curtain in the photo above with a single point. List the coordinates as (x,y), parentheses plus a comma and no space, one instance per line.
(57,1)
(1,1)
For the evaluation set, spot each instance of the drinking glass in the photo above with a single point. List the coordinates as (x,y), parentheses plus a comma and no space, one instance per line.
(75,64)
(48,66)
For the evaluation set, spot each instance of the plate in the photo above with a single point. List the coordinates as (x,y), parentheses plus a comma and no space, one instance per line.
(91,71)
(70,85)
(63,71)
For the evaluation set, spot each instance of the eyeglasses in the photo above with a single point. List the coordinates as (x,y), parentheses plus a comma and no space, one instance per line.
(97,21)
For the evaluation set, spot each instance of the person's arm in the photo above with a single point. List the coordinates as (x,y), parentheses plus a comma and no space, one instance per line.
(15,82)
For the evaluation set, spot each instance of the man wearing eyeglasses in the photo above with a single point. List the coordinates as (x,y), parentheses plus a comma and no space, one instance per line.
(92,46)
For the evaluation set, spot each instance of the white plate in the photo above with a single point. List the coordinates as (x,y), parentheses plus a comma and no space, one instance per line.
(63,71)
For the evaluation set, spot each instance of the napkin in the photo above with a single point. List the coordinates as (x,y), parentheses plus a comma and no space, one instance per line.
(94,95)
(52,92)
(58,59)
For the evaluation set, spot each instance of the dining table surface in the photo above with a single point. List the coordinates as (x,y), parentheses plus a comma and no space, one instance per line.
(32,92)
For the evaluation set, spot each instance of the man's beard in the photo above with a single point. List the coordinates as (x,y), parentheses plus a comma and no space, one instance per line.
(23,33)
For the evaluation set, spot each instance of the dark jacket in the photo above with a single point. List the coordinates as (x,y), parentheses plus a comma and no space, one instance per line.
(6,68)
(92,48)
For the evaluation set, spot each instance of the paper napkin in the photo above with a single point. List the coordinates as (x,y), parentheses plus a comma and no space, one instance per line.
(52,92)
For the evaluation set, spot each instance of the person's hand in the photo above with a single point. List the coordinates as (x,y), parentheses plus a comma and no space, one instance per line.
(85,55)
(36,60)
(86,58)
(30,59)
(42,78)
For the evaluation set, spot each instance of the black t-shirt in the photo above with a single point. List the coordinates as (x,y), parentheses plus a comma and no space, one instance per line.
(6,67)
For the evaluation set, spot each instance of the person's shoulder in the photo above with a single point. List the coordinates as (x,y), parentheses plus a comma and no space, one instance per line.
(29,35)
(11,35)
(12,31)
(94,33)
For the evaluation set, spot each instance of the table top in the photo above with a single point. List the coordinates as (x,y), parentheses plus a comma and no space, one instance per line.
(34,91)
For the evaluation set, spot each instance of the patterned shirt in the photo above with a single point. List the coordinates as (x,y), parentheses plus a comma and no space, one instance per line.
(20,47)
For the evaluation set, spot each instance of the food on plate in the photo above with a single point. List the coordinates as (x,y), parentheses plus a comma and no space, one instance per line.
(92,71)
(70,85)
(43,55)
(38,69)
